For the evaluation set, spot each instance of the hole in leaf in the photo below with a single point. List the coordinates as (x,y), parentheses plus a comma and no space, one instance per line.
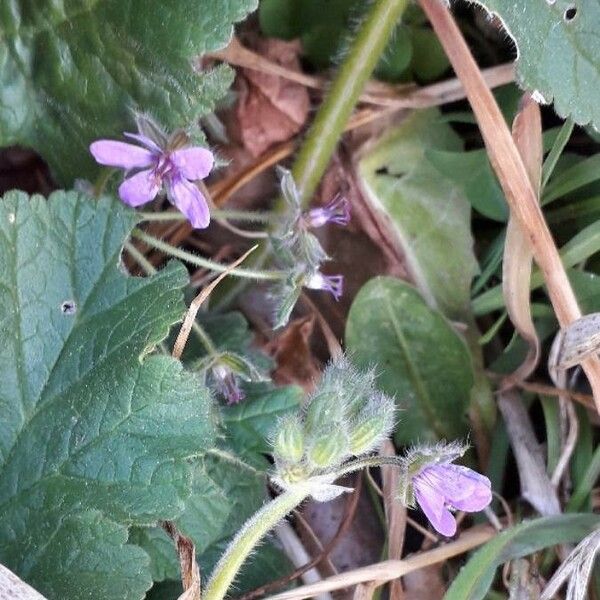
(570,14)
(68,307)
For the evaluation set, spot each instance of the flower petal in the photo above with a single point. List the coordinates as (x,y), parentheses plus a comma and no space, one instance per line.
(475,489)
(139,188)
(432,504)
(190,201)
(121,154)
(144,140)
(193,163)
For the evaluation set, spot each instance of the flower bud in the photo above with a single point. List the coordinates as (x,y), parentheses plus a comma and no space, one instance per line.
(325,409)
(372,425)
(289,440)
(329,449)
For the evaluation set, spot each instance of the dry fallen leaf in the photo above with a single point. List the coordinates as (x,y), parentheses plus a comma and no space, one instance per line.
(292,353)
(270,109)
(518,255)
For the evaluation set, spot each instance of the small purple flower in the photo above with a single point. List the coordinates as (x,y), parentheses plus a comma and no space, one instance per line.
(227,384)
(150,168)
(330,283)
(337,211)
(440,488)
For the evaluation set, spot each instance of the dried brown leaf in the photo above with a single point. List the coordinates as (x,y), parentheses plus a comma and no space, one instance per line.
(186,551)
(292,353)
(518,256)
(270,108)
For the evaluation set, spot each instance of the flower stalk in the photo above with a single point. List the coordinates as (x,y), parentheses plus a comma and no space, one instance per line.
(246,540)
(206,263)
(331,119)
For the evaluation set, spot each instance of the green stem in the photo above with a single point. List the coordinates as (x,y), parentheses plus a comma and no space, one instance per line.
(150,269)
(229,215)
(205,263)
(587,483)
(249,536)
(333,114)
(557,148)
(328,126)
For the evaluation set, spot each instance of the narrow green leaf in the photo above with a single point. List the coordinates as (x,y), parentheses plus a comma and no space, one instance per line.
(476,577)
(421,360)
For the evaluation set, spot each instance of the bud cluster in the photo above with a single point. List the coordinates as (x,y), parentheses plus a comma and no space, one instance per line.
(344,417)
(299,251)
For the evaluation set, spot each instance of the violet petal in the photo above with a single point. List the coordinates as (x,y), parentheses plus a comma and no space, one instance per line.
(121,154)
(462,487)
(193,163)
(144,140)
(190,201)
(432,504)
(139,188)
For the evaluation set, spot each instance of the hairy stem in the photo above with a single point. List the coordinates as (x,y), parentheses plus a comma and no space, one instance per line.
(230,215)
(205,263)
(250,535)
(329,124)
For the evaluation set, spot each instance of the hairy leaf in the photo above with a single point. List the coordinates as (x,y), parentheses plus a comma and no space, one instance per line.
(72,71)
(228,487)
(426,216)
(420,359)
(88,425)
(558,51)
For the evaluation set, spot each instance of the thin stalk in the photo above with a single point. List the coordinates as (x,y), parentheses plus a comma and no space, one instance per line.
(587,483)
(557,149)
(333,114)
(229,215)
(249,536)
(205,263)
(329,124)
(150,269)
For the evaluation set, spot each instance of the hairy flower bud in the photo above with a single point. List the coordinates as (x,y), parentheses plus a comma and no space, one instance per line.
(328,449)
(372,425)
(324,409)
(289,440)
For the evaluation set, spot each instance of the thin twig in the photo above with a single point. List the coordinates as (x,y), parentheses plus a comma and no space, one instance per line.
(391,569)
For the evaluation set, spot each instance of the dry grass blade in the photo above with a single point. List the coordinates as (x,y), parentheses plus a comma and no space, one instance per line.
(392,569)
(197,302)
(395,515)
(536,487)
(512,174)
(186,551)
(576,569)
(13,588)
(518,258)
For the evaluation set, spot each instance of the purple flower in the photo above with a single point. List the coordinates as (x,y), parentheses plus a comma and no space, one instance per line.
(336,211)
(150,168)
(440,488)
(330,283)
(227,385)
